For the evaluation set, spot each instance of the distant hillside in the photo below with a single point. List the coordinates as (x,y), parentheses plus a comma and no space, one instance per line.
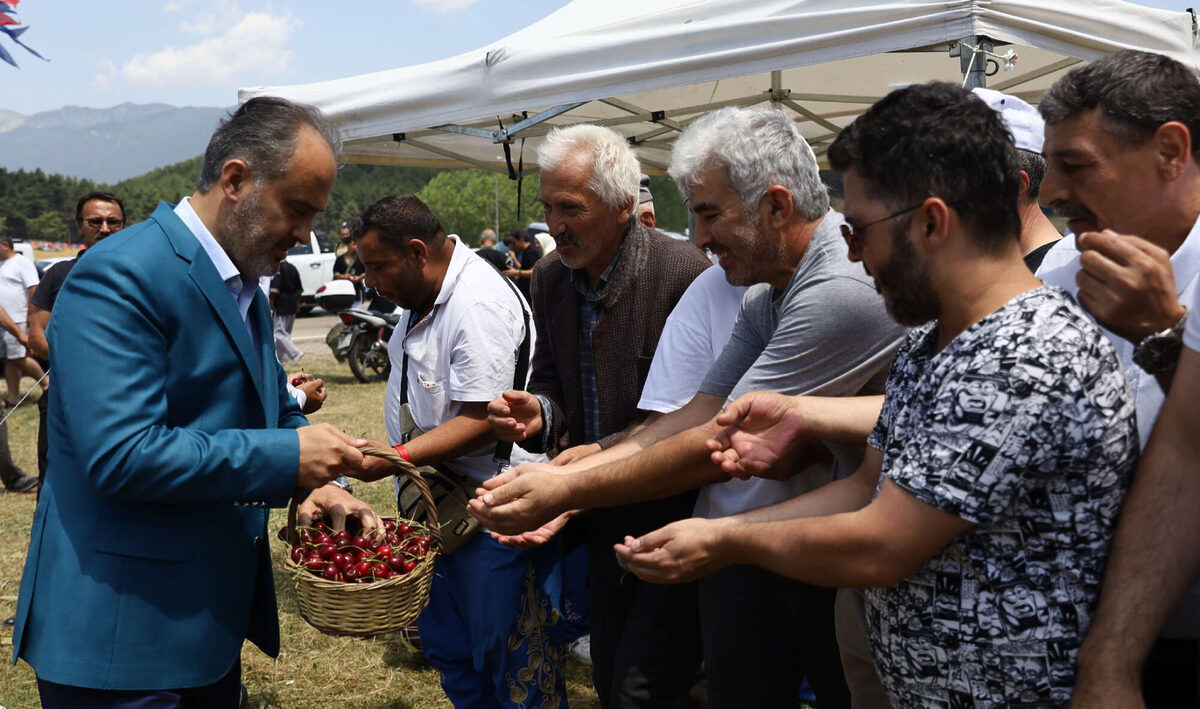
(105,145)
(36,205)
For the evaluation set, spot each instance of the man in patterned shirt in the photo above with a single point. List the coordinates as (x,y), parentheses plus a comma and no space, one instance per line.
(982,515)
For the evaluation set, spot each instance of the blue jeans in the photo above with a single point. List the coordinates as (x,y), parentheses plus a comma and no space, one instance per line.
(492,626)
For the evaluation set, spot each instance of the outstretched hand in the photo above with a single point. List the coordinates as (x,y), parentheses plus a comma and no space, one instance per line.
(762,432)
(515,416)
(522,499)
(677,553)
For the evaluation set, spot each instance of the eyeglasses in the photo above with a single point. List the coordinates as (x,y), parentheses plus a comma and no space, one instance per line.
(112,222)
(853,234)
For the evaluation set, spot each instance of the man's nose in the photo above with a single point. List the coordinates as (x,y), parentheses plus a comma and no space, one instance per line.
(1054,188)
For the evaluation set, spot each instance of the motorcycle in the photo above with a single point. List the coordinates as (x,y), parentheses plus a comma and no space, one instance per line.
(361,336)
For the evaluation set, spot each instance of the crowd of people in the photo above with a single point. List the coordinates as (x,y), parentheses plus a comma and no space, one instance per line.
(921,452)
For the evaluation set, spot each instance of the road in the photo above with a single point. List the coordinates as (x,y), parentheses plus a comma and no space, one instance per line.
(310,331)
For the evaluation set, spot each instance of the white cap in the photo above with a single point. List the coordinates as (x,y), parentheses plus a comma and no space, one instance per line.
(1023,120)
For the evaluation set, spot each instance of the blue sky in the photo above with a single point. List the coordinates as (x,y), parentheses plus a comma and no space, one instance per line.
(198,52)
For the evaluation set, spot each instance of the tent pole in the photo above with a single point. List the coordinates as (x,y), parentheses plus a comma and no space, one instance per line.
(973,62)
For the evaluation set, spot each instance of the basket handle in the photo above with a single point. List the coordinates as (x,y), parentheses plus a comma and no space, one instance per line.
(435,526)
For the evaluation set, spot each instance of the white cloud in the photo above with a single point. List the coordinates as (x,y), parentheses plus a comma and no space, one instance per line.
(254,46)
(103,80)
(224,13)
(444,6)
(173,6)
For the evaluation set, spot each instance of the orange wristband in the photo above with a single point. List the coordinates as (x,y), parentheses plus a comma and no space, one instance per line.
(402,451)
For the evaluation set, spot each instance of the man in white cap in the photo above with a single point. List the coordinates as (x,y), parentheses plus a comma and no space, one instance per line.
(645,207)
(1038,235)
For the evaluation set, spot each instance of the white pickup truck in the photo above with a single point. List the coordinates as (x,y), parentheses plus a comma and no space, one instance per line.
(315,267)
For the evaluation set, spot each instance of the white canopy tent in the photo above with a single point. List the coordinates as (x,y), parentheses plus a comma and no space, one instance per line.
(648,67)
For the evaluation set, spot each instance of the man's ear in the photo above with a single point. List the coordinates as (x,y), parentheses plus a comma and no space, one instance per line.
(627,211)
(932,219)
(1173,145)
(779,206)
(417,251)
(235,181)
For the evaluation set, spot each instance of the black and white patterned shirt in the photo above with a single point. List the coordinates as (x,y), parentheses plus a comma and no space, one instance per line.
(1024,426)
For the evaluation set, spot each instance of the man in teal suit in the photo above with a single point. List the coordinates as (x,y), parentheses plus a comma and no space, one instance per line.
(171,431)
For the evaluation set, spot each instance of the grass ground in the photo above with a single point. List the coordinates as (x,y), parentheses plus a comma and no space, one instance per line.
(313,670)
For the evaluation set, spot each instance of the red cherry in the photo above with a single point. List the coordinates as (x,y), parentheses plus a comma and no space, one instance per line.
(391,538)
(396,561)
(363,567)
(314,563)
(327,551)
(403,529)
(361,542)
(330,572)
(350,574)
(299,553)
(383,550)
(321,538)
(380,571)
(320,526)
(389,525)
(409,565)
(341,538)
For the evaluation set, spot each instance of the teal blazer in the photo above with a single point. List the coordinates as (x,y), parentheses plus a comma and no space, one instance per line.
(170,435)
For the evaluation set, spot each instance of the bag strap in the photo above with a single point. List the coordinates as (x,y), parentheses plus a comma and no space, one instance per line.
(503,452)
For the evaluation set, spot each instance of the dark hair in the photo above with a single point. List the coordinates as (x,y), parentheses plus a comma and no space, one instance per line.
(99,197)
(263,132)
(938,140)
(397,219)
(1033,165)
(1136,91)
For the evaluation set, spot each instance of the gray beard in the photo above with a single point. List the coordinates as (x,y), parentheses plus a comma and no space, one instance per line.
(245,239)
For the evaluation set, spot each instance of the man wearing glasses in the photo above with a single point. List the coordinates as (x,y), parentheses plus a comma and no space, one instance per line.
(97,215)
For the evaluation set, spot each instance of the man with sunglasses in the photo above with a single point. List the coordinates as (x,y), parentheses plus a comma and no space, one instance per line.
(97,215)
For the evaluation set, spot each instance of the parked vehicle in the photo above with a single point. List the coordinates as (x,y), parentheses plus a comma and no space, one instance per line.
(361,337)
(315,267)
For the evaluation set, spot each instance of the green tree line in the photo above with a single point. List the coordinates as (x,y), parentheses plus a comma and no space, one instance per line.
(35,205)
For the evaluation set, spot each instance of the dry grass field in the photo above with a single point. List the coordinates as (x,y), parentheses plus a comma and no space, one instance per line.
(313,670)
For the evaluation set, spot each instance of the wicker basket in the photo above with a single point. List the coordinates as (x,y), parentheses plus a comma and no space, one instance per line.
(368,609)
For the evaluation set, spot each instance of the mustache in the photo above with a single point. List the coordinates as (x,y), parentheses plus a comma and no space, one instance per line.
(566,239)
(1071,211)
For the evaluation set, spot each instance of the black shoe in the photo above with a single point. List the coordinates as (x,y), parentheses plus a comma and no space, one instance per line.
(10,621)
(25,483)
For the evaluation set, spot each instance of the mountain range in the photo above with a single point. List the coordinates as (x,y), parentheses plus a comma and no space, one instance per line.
(105,145)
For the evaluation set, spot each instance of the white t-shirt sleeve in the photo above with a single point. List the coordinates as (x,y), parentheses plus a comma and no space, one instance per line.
(29,274)
(1191,329)
(483,353)
(696,331)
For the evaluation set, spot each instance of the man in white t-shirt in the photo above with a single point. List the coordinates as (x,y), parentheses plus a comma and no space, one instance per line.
(18,279)
(1124,169)
(488,628)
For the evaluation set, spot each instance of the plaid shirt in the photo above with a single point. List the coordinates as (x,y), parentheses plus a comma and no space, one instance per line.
(590,310)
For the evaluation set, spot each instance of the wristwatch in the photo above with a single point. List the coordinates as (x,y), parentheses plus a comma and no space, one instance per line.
(1158,352)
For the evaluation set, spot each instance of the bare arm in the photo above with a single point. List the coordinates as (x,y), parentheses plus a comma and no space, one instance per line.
(875,546)
(696,412)
(765,430)
(37,332)
(463,434)
(7,323)
(1154,557)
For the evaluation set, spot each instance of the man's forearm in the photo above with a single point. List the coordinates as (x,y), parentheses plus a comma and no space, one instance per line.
(843,419)
(658,427)
(672,466)
(824,551)
(8,324)
(457,437)
(845,495)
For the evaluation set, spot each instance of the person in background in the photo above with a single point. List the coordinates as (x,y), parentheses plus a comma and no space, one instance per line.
(347,267)
(98,215)
(285,304)
(527,252)
(646,204)
(18,281)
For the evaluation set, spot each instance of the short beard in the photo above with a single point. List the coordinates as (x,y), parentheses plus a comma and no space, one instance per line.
(245,239)
(911,300)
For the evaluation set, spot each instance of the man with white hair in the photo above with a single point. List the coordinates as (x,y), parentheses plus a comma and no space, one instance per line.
(600,301)
(645,213)
(811,323)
